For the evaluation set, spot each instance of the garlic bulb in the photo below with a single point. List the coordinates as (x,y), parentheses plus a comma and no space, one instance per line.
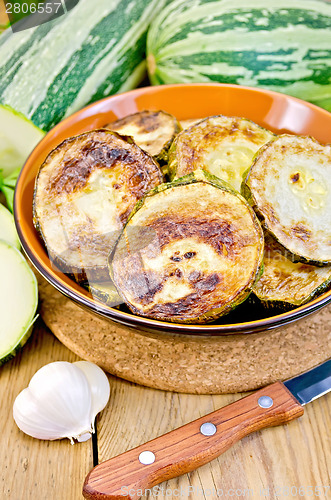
(99,385)
(62,401)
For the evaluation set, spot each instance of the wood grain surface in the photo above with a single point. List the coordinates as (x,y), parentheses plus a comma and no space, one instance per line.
(33,469)
(286,462)
(187,448)
(272,464)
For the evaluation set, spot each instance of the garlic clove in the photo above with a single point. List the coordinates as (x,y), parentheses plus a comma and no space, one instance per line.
(56,404)
(66,393)
(31,421)
(99,385)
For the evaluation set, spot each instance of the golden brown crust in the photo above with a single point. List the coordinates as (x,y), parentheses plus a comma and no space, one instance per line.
(190,253)
(185,124)
(81,155)
(222,145)
(153,131)
(84,193)
(290,184)
(286,283)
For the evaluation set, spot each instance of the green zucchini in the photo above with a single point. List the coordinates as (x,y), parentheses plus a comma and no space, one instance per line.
(18,301)
(285,283)
(7,228)
(84,193)
(50,71)
(277,45)
(190,251)
(289,186)
(153,131)
(222,145)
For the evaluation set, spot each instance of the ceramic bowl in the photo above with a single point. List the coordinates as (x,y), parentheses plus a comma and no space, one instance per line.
(280,113)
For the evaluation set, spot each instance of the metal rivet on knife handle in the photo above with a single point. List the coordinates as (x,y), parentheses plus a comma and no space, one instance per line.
(208,429)
(184,449)
(146,457)
(265,402)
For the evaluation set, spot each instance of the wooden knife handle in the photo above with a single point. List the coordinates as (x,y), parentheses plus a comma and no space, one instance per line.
(187,448)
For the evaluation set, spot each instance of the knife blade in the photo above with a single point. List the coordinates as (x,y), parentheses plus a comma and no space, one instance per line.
(197,443)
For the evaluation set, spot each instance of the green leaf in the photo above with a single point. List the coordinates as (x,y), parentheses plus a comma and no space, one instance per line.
(3,27)
(10,181)
(7,186)
(9,195)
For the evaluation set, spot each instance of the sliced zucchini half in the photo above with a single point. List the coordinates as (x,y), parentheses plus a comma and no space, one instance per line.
(222,145)
(285,283)
(18,301)
(289,185)
(8,231)
(190,252)
(18,137)
(153,131)
(84,193)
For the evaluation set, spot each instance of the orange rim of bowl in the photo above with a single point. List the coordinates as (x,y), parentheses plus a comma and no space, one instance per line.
(73,291)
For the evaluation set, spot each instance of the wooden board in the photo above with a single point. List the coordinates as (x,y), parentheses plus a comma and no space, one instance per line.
(33,469)
(267,465)
(199,365)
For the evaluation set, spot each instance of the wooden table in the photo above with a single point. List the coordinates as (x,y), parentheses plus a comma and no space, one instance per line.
(293,461)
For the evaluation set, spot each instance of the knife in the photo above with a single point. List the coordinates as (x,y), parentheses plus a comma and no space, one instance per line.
(184,449)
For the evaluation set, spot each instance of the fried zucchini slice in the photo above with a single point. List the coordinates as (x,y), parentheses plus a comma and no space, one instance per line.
(153,131)
(289,185)
(190,252)
(105,292)
(222,145)
(185,124)
(285,283)
(84,193)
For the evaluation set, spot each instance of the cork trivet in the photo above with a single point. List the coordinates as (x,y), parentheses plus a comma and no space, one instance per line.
(198,365)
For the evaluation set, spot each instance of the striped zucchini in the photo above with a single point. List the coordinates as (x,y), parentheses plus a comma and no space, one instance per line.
(51,71)
(278,45)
